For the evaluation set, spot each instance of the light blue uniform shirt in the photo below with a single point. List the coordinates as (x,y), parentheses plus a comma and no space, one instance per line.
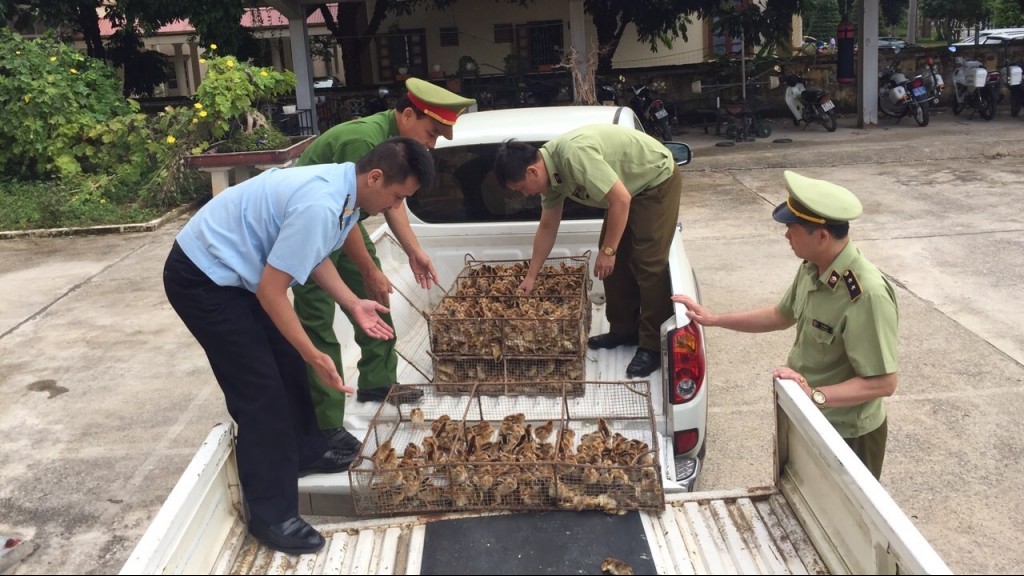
(291,219)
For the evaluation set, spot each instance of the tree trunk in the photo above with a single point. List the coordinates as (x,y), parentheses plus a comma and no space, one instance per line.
(89,23)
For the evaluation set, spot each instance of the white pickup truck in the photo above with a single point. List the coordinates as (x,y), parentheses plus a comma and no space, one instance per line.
(825,512)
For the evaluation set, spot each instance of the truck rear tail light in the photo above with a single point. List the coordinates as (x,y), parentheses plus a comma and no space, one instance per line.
(685,440)
(685,363)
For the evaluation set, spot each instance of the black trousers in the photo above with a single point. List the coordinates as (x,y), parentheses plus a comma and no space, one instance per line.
(264,383)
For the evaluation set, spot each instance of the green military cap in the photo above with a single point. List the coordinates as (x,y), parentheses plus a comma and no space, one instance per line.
(816,202)
(440,104)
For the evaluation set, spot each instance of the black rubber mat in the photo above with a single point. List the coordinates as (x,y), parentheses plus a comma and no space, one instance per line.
(536,543)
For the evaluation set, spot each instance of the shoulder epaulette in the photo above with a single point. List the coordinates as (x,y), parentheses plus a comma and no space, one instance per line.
(852,285)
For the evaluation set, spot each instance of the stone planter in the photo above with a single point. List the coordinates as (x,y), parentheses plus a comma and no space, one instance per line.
(220,164)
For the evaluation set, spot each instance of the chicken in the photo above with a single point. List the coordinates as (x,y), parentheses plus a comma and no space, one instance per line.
(615,567)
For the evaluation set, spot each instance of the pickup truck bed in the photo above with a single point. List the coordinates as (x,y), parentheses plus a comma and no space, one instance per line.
(409,306)
(825,514)
(744,532)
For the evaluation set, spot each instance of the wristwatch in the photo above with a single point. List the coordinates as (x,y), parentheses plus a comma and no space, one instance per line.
(818,397)
(608,251)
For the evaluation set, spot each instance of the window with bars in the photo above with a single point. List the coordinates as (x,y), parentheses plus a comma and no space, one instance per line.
(402,49)
(503,34)
(449,36)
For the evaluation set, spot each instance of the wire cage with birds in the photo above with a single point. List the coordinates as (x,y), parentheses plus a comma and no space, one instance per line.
(481,452)
(484,329)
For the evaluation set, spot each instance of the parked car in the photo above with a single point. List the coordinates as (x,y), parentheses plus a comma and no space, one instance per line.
(892,43)
(327,82)
(993,36)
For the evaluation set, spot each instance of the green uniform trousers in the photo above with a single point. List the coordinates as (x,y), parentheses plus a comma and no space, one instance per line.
(639,289)
(378,365)
(870,448)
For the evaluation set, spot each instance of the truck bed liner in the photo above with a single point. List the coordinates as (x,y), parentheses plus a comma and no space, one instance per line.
(727,532)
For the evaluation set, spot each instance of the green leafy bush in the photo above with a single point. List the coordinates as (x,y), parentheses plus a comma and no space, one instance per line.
(52,97)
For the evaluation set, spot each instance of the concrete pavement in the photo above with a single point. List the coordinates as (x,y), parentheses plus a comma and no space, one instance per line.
(105,395)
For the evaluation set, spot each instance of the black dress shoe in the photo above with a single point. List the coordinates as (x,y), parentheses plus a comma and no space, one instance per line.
(401,395)
(331,461)
(612,340)
(643,363)
(293,536)
(343,440)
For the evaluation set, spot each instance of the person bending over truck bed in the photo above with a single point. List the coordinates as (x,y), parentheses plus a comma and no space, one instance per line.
(635,179)
(845,353)
(227,277)
(424,114)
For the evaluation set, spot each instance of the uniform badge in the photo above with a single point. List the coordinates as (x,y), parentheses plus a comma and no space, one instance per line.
(833,280)
(852,285)
(821,326)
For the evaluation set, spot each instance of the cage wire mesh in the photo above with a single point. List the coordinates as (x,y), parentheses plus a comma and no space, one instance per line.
(482,330)
(446,453)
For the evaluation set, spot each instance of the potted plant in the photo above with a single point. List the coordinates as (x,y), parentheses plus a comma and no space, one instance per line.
(226,113)
(468,66)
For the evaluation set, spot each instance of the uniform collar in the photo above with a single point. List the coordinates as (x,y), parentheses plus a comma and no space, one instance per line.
(554,178)
(832,275)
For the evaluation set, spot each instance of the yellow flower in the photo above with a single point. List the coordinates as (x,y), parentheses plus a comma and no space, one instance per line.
(213,46)
(53,58)
(73,71)
(264,73)
(26,98)
(202,60)
(17,52)
(103,200)
(171,140)
(202,114)
(229,63)
(195,120)
(198,105)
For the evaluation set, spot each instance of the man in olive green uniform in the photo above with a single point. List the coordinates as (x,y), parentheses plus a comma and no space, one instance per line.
(845,353)
(424,113)
(633,177)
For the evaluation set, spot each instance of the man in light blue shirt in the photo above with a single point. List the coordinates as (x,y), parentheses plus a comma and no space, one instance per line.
(227,277)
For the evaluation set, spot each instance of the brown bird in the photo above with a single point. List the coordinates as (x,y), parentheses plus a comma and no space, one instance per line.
(543,433)
(615,567)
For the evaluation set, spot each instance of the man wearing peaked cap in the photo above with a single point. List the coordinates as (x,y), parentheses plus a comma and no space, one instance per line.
(424,113)
(845,353)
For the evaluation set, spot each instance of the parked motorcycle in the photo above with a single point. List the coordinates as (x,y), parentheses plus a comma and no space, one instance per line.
(974,87)
(1011,74)
(809,105)
(651,111)
(933,81)
(899,96)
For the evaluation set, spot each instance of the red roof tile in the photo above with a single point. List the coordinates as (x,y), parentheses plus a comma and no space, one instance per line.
(268,18)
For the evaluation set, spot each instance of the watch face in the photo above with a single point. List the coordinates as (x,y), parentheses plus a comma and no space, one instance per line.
(818,397)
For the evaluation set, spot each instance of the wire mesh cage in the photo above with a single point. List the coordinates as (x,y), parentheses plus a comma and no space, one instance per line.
(483,330)
(595,451)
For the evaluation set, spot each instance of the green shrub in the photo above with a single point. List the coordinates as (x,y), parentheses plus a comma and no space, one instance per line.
(52,98)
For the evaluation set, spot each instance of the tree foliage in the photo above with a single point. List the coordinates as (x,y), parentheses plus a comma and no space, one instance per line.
(951,16)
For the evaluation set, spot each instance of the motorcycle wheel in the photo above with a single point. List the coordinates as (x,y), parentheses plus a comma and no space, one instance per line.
(987,105)
(665,130)
(732,132)
(1015,102)
(763,130)
(828,120)
(885,105)
(921,113)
